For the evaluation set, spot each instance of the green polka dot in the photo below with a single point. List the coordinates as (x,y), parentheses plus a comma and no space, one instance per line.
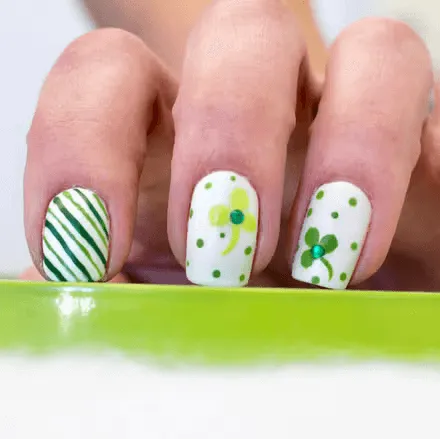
(335,215)
(353,202)
(315,280)
(242,278)
(222,235)
(191,213)
(187,263)
(200,243)
(216,274)
(343,277)
(208,185)
(248,250)
(309,212)
(354,245)
(320,195)
(233,178)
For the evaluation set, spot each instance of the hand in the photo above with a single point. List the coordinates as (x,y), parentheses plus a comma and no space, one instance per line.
(363,185)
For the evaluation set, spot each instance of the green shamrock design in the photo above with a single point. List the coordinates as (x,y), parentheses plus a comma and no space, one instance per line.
(236,214)
(318,249)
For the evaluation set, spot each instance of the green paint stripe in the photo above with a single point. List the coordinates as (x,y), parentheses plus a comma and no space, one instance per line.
(77,242)
(101,205)
(88,218)
(94,211)
(54,270)
(79,228)
(69,252)
(60,259)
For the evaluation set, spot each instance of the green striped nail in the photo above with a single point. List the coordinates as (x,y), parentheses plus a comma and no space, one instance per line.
(76,237)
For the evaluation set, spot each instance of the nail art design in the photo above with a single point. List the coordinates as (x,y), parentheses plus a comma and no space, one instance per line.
(332,237)
(76,237)
(222,230)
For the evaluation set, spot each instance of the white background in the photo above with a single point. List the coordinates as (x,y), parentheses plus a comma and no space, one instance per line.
(32,35)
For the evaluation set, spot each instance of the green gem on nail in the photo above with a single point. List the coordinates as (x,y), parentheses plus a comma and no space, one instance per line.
(236,217)
(318,251)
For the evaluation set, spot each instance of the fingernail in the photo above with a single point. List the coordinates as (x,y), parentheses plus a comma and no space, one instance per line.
(332,236)
(76,237)
(222,230)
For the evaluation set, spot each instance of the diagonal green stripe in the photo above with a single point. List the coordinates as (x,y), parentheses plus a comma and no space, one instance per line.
(79,228)
(101,205)
(54,270)
(60,259)
(69,252)
(88,217)
(77,242)
(94,211)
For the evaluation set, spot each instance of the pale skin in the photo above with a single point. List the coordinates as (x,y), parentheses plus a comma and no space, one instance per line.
(142,118)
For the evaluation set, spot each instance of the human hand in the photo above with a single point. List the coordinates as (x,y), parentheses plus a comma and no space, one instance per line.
(113,120)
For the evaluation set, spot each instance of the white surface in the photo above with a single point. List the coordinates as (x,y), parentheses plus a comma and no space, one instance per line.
(113,398)
(32,35)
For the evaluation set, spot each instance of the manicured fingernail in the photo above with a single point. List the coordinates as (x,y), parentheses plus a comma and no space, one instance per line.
(76,237)
(222,230)
(332,236)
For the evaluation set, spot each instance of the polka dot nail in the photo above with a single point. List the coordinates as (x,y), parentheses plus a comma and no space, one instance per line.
(332,236)
(222,230)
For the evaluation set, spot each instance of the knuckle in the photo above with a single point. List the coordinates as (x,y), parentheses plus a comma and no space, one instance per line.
(382,31)
(110,50)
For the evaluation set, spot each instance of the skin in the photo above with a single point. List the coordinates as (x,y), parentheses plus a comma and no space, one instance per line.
(141,114)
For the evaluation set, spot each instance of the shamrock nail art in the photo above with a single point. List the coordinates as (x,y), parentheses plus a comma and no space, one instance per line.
(332,236)
(222,230)
(318,249)
(236,214)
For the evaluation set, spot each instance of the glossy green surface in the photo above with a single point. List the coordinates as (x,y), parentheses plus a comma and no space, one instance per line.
(200,325)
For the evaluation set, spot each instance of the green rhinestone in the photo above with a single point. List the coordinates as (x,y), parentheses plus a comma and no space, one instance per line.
(317,251)
(236,217)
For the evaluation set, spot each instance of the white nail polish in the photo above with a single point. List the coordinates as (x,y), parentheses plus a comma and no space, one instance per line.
(222,230)
(76,237)
(332,236)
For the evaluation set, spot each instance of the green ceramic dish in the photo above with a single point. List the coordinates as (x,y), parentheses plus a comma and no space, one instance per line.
(209,326)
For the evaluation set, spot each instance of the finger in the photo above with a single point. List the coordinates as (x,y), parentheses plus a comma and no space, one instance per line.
(364,146)
(233,117)
(86,151)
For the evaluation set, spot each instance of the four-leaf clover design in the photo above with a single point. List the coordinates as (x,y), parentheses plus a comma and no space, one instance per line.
(318,249)
(236,215)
